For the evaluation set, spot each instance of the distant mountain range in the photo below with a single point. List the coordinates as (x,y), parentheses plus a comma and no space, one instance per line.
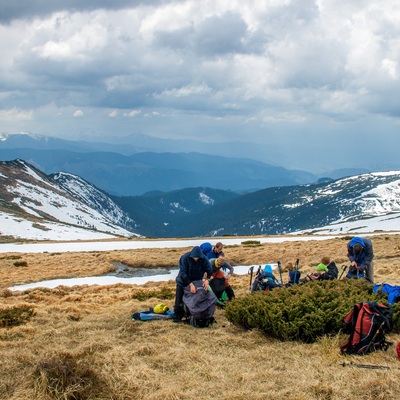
(42,203)
(129,170)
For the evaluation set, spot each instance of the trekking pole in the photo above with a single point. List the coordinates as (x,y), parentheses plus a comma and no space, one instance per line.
(280,271)
(344,267)
(367,366)
(251,276)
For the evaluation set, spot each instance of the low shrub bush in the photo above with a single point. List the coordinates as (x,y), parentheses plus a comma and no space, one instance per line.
(302,312)
(17,315)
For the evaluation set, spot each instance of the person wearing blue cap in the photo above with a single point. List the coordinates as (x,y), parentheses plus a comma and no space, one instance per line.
(360,254)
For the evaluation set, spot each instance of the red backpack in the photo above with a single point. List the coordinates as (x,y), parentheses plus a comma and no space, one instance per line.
(367,323)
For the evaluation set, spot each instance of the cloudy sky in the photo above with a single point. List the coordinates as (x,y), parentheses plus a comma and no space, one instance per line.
(315,81)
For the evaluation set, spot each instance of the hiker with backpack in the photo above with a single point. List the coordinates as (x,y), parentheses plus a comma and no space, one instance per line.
(222,271)
(265,280)
(360,254)
(193,266)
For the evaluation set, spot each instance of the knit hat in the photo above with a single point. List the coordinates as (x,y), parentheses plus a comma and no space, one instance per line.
(322,267)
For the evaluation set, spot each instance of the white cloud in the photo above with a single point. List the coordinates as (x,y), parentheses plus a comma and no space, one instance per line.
(78,113)
(259,67)
(15,114)
(132,114)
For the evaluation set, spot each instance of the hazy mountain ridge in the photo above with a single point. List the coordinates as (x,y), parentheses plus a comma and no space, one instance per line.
(148,164)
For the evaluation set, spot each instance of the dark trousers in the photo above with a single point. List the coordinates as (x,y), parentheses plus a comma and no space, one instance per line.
(178,306)
(229,292)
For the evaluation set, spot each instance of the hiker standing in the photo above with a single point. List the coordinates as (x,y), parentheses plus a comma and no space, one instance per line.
(193,266)
(222,270)
(360,253)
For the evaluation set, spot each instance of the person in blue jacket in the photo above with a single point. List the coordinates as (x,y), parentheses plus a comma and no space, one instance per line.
(193,266)
(360,254)
(216,251)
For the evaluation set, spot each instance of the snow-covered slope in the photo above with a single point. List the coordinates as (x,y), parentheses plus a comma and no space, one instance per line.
(364,203)
(36,206)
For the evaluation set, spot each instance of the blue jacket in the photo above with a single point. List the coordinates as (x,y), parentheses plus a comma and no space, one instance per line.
(213,254)
(191,270)
(364,259)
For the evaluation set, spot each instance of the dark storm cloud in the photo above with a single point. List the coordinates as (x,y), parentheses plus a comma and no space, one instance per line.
(25,9)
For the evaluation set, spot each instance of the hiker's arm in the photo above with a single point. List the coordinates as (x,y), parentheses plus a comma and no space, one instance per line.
(205,283)
(350,255)
(229,266)
(183,271)
(192,287)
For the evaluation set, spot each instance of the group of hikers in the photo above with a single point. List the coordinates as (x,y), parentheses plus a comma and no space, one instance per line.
(205,267)
(359,252)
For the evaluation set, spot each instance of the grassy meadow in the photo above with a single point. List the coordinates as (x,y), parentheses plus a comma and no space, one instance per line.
(81,342)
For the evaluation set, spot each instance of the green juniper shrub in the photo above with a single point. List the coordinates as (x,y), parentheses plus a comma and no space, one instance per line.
(301,312)
(16,315)
(396,317)
(251,243)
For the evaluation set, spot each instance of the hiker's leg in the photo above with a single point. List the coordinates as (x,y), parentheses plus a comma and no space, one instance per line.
(229,292)
(369,273)
(178,307)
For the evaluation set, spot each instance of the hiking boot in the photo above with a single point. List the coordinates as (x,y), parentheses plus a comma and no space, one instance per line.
(177,319)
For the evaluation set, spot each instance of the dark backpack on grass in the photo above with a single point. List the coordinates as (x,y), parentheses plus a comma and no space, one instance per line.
(200,306)
(367,323)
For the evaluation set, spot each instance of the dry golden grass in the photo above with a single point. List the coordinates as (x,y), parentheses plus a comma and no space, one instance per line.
(85,335)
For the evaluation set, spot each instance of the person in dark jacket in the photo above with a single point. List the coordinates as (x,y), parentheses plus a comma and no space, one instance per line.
(193,266)
(360,254)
